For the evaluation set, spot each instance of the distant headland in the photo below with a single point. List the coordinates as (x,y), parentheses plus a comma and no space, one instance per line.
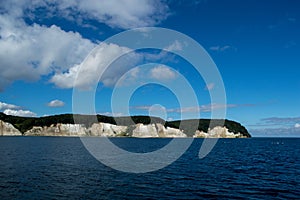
(106,126)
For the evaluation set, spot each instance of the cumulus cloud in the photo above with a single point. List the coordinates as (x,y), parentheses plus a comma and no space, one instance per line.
(11,109)
(162,73)
(100,62)
(4,106)
(56,103)
(21,113)
(29,51)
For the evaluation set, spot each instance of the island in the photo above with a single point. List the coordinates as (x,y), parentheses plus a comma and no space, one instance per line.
(107,126)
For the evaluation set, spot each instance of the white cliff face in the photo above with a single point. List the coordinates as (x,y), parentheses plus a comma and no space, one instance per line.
(58,130)
(142,130)
(110,130)
(107,130)
(156,130)
(169,132)
(7,129)
(217,132)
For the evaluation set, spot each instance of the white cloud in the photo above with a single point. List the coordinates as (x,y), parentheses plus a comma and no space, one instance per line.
(99,62)
(162,73)
(115,13)
(209,86)
(56,103)
(22,113)
(29,51)
(297,125)
(176,46)
(11,109)
(4,106)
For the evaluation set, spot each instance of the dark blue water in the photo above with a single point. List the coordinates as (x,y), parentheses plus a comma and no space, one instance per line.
(61,168)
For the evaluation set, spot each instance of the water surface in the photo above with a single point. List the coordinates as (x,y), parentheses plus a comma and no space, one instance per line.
(61,168)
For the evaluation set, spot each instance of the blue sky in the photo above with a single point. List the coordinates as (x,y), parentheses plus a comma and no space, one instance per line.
(254,44)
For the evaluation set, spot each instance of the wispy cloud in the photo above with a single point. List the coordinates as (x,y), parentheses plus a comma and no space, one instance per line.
(194,109)
(276,132)
(221,48)
(277,126)
(209,86)
(281,120)
(119,114)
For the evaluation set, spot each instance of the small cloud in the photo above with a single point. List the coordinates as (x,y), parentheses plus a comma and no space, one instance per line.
(162,72)
(290,44)
(297,125)
(221,48)
(56,103)
(291,19)
(209,86)
(170,119)
(176,46)
(21,113)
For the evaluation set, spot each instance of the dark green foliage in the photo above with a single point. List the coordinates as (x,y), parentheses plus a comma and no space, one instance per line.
(189,126)
(203,124)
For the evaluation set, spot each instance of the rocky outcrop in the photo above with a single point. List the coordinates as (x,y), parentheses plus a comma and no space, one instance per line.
(217,132)
(156,130)
(107,130)
(7,129)
(142,130)
(169,132)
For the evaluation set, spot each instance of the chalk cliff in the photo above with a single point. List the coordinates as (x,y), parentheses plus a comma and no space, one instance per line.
(217,132)
(156,130)
(138,130)
(7,129)
(106,129)
(135,126)
(57,130)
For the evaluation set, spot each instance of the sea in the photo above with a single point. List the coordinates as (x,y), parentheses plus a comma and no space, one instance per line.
(62,168)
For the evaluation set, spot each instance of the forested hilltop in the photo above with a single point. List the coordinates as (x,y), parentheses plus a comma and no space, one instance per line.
(24,124)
